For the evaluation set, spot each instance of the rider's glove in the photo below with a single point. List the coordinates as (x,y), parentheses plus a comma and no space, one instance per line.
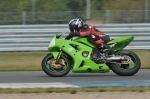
(72,34)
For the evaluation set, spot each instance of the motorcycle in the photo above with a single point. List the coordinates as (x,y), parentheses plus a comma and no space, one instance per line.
(80,56)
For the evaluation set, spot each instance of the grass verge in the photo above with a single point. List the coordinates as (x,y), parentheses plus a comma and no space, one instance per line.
(75,90)
(31,61)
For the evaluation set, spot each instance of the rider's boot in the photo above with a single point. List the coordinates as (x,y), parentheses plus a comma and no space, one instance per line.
(105,48)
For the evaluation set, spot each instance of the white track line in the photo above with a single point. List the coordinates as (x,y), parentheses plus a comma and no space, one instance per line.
(35,85)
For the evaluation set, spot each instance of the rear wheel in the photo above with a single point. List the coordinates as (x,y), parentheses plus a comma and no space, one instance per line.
(56,70)
(129,67)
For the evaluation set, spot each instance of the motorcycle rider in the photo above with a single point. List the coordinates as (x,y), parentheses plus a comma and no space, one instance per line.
(77,28)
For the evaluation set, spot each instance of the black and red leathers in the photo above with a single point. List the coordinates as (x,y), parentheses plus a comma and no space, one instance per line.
(95,36)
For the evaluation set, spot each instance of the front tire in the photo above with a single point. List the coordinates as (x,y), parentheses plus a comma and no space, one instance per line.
(50,70)
(127,69)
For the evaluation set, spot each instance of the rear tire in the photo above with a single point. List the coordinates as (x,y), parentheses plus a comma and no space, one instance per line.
(125,70)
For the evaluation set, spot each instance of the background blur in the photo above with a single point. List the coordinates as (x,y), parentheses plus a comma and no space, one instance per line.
(61,11)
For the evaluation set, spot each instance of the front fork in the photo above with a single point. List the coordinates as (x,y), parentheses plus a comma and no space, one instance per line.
(58,57)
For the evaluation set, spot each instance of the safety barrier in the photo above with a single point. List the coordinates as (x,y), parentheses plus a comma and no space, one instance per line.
(37,37)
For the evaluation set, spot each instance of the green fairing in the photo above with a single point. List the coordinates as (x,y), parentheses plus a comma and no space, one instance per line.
(85,41)
(121,42)
(81,63)
(66,46)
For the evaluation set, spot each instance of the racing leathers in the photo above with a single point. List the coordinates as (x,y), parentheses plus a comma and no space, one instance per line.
(94,36)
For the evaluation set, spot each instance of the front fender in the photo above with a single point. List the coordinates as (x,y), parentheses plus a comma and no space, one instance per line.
(55,54)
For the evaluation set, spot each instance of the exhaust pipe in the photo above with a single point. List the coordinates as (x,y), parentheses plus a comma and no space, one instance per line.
(116,58)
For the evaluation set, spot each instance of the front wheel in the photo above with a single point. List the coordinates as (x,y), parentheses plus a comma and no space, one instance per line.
(129,67)
(56,69)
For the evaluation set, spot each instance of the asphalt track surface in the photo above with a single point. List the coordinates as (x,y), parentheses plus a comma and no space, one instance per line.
(41,77)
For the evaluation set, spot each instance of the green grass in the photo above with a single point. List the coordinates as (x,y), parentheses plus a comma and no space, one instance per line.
(75,90)
(31,61)
(21,61)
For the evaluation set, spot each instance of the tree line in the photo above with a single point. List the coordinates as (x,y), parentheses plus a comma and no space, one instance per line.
(69,5)
(61,11)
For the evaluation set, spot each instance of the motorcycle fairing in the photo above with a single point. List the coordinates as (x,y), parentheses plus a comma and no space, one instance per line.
(74,49)
(121,42)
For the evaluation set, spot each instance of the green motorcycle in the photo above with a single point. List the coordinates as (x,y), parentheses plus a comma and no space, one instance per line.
(80,56)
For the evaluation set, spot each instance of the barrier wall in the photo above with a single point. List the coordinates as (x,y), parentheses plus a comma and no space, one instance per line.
(37,37)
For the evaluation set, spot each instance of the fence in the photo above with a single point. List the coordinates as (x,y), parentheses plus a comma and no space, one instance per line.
(63,17)
(37,37)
